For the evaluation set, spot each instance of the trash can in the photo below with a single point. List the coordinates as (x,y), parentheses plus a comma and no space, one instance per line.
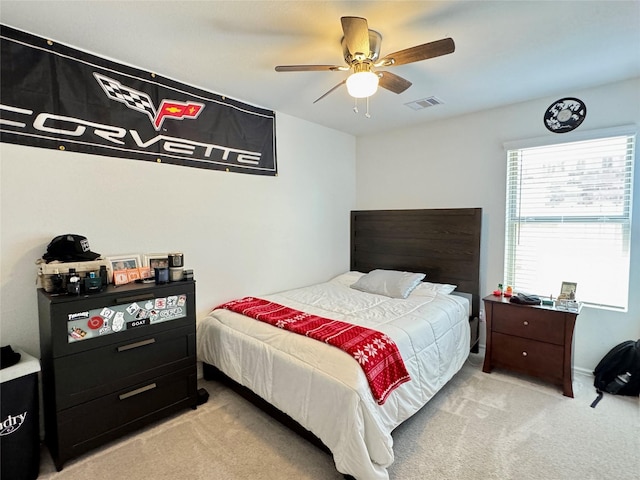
(20,419)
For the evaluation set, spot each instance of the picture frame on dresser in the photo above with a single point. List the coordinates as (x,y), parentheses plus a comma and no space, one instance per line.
(123,269)
(124,262)
(156,260)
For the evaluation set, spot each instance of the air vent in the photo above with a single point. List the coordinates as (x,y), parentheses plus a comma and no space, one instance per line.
(424,103)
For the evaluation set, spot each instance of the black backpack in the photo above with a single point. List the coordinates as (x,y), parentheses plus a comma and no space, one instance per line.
(618,372)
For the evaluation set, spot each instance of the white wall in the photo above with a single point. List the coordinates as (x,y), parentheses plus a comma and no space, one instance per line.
(241,234)
(460,162)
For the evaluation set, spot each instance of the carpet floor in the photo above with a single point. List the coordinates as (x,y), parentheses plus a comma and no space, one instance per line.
(479,426)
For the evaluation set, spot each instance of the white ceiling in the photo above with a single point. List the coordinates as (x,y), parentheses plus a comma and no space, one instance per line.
(506,51)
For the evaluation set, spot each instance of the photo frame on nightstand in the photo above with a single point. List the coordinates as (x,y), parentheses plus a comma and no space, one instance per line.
(568,291)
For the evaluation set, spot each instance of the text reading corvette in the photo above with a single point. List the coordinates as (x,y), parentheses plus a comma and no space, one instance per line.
(78,128)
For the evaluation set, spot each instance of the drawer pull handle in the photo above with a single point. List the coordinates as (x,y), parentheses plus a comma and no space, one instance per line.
(525,322)
(137,391)
(141,343)
(524,354)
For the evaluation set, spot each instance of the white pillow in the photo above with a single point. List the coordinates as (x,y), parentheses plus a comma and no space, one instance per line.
(429,289)
(347,279)
(390,283)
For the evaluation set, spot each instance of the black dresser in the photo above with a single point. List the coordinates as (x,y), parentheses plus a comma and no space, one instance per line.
(114,361)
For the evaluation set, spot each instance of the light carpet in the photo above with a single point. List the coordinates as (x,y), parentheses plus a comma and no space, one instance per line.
(479,426)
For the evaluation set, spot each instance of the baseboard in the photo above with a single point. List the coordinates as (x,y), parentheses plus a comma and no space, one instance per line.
(583,371)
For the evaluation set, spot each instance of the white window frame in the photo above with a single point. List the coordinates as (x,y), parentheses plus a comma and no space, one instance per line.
(512,216)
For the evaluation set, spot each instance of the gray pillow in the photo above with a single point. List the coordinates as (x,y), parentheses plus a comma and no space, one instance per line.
(390,283)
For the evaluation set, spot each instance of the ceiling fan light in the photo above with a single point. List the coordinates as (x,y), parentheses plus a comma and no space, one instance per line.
(362,84)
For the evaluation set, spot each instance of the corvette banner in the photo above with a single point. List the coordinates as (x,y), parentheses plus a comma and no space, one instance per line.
(54,96)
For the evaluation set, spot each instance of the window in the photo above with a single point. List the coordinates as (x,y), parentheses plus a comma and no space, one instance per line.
(568,218)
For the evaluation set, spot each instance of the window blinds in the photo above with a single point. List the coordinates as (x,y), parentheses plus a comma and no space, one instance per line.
(568,218)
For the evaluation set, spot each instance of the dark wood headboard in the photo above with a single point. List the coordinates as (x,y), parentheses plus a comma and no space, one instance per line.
(442,243)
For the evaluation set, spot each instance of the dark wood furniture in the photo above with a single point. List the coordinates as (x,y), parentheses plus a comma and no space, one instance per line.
(442,243)
(114,361)
(533,340)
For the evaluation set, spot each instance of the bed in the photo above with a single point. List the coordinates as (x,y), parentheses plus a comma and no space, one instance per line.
(321,391)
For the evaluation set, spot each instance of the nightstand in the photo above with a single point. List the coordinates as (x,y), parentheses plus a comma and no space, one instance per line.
(534,340)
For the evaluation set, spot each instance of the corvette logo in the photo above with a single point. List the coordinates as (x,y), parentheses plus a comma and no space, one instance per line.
(141,102)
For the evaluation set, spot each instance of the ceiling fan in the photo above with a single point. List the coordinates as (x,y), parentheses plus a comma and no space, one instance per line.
(361,49)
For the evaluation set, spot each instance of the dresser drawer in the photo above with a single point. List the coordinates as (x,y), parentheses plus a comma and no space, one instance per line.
(93,423)
(87,375)
(71,325)
(529,323)
(530,357)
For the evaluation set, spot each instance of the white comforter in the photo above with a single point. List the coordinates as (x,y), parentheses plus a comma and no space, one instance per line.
(323,388)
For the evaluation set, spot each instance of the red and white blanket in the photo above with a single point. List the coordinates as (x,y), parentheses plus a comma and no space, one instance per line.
(376,353)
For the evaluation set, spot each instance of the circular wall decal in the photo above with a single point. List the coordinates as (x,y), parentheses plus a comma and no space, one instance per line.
(565,115)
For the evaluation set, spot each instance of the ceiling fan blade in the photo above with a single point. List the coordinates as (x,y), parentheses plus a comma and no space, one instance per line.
(356,35)
(393,82)
(419,52)
(334,88)
(309,68)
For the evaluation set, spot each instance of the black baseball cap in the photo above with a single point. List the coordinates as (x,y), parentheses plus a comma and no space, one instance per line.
(69,248)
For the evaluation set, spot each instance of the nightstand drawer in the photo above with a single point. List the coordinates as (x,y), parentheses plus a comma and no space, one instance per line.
(85,376)
(528,323)
(531,357)
(93,423)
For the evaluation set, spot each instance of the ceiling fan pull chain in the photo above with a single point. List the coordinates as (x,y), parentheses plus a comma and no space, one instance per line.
(355,105)
(367,114)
